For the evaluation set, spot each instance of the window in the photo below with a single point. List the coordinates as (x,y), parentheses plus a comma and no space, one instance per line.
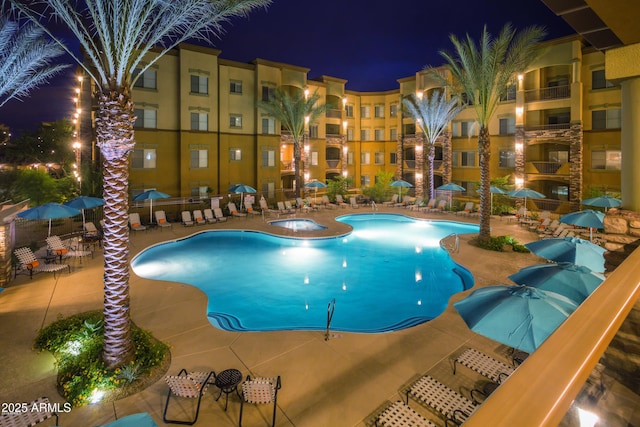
(235,86)
(199,84)
(467,128)
(350,158)
(314,158)
(332,129)
(349,110)
(146,80)
(365,180)
(143,158)
(393,110)
(267,93)
(468,158)
(364,135)
(199,191)
(379,111)
(508,126)
(235,120)
(268,158)
(455,158)
(393,158)
(269,189)
(558,156)
(598,80)
(605,119)
(365,158)
(606,159)
(268,126)
(235,154)
(393,134)
(379,158)
(410,129)
(510,93)
(507,159)
(350,134)
(145,118)
(365,112)
(379,134)
(313,131)
(199,158)
(199,121)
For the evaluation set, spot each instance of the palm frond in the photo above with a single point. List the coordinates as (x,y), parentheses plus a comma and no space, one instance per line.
(434,112)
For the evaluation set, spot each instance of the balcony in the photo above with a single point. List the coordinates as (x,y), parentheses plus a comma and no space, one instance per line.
(333,164)
(286,166)
(547,93)
(334,114)
(409,164)
(559,131)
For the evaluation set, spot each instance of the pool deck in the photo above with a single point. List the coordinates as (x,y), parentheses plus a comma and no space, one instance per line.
(339,382)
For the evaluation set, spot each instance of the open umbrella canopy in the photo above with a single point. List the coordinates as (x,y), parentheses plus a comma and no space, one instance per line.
(570,249)
(450,187)
(241,188)
(315,184)
(587,218)
(151,195)
(85,202)
(575,282)
(603,202)
(526,193)
(401,183)
(518,316)
(49,211)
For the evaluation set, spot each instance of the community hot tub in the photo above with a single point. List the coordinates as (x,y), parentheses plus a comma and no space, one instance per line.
(298,224)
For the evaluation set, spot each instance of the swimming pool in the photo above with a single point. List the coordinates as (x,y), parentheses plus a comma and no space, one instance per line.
(388,274)
(298,224)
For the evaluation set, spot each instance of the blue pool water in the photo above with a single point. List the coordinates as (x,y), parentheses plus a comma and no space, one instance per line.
(298,224)
(388,274)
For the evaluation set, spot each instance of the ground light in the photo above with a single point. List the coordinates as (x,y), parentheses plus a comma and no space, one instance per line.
(587,418)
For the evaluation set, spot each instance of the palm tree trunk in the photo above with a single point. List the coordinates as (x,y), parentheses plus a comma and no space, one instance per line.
(114,128)
(430,157)
(297,154)
(484,152)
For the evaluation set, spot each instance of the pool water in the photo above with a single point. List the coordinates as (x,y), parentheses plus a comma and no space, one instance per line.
(298,224)
(388,274)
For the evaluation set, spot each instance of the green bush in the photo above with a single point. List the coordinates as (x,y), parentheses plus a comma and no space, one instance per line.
(499,242)
(76,342)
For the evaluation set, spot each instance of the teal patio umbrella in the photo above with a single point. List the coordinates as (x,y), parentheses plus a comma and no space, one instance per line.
(526,193)
(85,202)
(521,317)
(570,249)
(450,187)
(400,183)
(605,202)
(493,190)
(315,184)
(49,211)
(588,218)
(151,195)
(241,189)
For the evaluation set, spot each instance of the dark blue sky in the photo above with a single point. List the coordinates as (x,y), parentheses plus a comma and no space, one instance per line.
(370,43)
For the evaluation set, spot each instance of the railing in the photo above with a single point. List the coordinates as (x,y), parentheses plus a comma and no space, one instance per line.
(451,243)
(410,164)
(334,114)
(286,166)
(548,168)
(333,164)
(557,126)
(547,93)
(330,309)
(437,164)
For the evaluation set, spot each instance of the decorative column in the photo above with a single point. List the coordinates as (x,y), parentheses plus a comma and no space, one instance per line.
(399,157)
(576,162)
(7,235)
(420,155)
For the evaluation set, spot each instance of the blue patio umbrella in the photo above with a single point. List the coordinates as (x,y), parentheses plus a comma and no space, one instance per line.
(85,202)
(450,187)
(526,193)
(603,202)
(575,282)
(587,218)
(49,211)
(493,190)
(151,195)
(400,183)
(241,189)
(570,249)
(315,184)
(518,316)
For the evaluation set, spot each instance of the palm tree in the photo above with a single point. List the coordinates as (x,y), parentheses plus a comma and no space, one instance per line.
(25,59)
(481,74)
(432,113)
(120,40)
(294,111)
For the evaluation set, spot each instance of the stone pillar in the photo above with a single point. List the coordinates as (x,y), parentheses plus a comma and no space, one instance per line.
(7,237)
(576,162)
(399,157)
(344,157)
(519,149)
(420,163)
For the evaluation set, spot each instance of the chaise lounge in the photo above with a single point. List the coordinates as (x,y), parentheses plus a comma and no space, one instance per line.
(453,406)
(28,261)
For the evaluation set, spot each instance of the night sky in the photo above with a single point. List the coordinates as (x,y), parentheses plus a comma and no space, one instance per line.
(369,43)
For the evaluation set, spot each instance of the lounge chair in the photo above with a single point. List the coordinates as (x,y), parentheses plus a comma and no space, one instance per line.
(260,391)
(468,208)
(440,208)
(312,204)
(283,210)
(234,211)
(208,216)
(484,365)
(187,385)
(404,203)
(392,202)
(304,207)
(161,219)
(416,203)
(187,221)
(55,245)
(340,201)
(198,218)
(135,223)
(353,203)
(399,414)
(450,404)
(219,215)
(266,208)
(250,209)
(430,205)
(289,206)
(36,412)
(326,203)
(27,261)
(91,235)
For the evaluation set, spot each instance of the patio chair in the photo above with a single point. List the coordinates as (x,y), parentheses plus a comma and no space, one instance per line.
(190,385)
(283,210)
(304,207)
(161,219)
(198,218)
(187,221)
(208,216)
(392,202)
(400,414)
(353,203)
(468,208)
(416,203)
(440,207)
(289,206)
(135,223)
(27,261)
(326,203)
(55,245)
(260,391)
(37,411)
(484,365)
(266,208)
(450,404)
(250,209)
(430,205)
(312,203)
(404,203)
(219,215)
(340,201)
(234,211)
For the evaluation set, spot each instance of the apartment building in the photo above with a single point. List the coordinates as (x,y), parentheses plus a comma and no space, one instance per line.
(199,131)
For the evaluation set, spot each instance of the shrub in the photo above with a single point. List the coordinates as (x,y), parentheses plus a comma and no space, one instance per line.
(499,242)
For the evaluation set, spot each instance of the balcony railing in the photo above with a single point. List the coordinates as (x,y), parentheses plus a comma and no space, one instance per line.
(556,126)
(286,166)
(333,164)
(547,93)
(410,164)
(547,168)
(334,114)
